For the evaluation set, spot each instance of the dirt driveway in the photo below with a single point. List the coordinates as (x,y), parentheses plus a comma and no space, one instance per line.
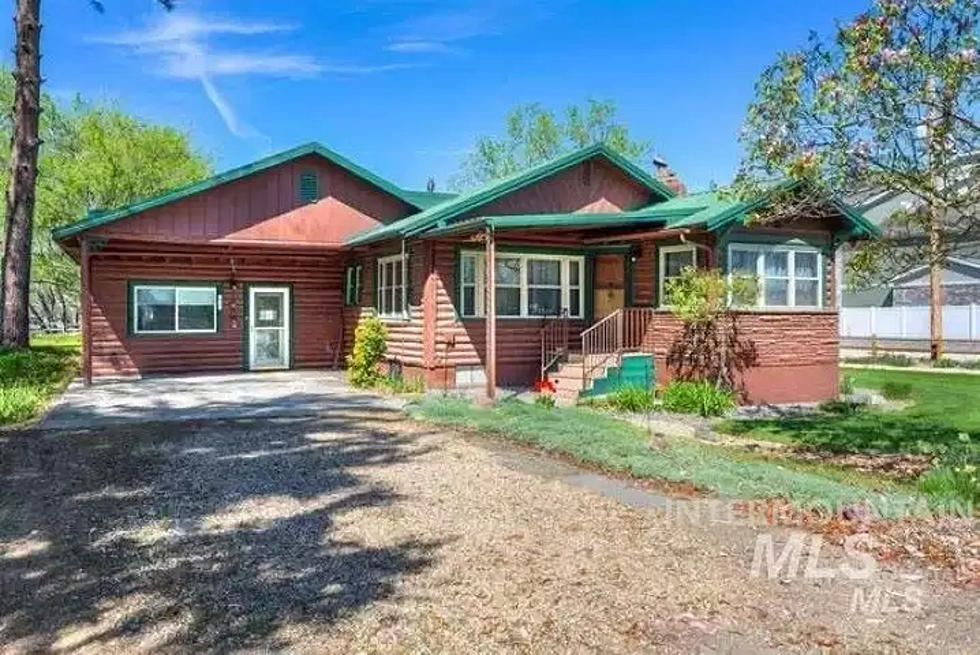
(362,531)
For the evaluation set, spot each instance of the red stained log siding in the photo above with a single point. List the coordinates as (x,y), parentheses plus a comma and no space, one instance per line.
(265,207)
(316,297)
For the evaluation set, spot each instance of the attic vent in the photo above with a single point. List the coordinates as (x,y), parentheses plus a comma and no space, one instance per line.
(309,187)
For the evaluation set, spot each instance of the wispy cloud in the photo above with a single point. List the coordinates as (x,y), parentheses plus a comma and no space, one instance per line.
(441,31)
(429,47)
(181,45)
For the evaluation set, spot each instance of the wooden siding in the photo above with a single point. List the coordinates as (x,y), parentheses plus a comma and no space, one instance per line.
(316,297)
(266,207)
(592,186)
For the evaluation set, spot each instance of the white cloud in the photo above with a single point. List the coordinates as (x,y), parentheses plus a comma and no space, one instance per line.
(434,47)
(180,45)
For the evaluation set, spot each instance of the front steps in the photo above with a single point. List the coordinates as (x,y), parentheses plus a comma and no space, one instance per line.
(635,369)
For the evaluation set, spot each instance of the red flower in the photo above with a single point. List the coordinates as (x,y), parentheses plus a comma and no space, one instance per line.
(544,384)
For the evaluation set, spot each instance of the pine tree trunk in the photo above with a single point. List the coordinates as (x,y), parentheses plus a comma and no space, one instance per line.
(16,274)
(936,261)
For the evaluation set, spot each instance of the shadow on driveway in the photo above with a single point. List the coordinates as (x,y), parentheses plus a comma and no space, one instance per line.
(208,534)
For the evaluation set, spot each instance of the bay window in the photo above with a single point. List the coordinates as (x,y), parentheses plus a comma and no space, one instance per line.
(527,285)
(174,309)
(392,273)
(786,276)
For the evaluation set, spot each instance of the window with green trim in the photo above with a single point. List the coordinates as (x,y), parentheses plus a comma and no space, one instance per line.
(309,187)
(174,309)
(352,285)
(787,276)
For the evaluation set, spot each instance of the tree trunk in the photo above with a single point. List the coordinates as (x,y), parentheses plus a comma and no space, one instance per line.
(936,265)
(16,275)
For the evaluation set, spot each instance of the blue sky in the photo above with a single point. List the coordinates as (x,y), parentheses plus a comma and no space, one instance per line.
(404,87)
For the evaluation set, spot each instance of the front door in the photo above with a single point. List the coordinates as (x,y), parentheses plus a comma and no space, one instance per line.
(268,320)
(609,285)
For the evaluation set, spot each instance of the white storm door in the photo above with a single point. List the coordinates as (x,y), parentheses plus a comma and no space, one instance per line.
(268,328)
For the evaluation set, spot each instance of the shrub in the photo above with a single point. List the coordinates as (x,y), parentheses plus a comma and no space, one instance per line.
(701,398)
(896,390)
(370,345)
(945,362)
(883,360)
(545,400)
(399,384)
(840,407)
(957,474)
(631,398)
(847,385)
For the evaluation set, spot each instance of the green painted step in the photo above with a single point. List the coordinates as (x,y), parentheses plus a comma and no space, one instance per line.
(634,370)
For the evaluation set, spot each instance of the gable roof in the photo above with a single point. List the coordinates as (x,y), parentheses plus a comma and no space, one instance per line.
(439,214)
(97,218)
(426,199)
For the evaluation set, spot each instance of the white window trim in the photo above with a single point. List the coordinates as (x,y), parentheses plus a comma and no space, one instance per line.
(403,258)
(661,278)
(176,289)
(791,270)
(481,278)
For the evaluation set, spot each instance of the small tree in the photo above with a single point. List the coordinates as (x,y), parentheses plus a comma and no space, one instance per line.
(710,347)
(370,345)
(888,104)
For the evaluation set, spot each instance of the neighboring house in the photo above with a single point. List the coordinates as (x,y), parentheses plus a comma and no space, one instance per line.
(271,266)
(961,277)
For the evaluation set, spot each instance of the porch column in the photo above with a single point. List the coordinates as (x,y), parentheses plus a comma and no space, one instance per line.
(86,257)
(491,313)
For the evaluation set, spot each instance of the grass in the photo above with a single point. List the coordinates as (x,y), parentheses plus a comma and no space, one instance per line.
(618,446)
(943,405)
(31,377)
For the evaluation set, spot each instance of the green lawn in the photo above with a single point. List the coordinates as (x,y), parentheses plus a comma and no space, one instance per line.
(31,378)
(615,445)
(944,405)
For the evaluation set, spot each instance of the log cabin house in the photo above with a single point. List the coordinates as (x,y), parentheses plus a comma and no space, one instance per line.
(556,271)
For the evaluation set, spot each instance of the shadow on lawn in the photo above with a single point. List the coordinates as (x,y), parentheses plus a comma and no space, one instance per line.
(206,535)
(859,431)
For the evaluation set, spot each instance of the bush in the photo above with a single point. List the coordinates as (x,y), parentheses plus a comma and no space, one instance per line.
(956,475)
(846,385)
(399,384)
(896,390)
(545,400)
(883,360)
(701,398)
(631,398)
(370,345)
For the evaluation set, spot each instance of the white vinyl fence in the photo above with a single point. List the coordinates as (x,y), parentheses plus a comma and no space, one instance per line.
(961,322)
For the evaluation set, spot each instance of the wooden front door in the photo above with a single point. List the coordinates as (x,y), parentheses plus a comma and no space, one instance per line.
(610,285)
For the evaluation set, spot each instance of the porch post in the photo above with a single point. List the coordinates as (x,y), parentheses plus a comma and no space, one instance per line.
(491,312)
(86,312)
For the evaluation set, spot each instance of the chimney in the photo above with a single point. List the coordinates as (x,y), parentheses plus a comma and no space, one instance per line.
(667,176)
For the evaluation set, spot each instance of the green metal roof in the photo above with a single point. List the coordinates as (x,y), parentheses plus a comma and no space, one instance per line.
(709,211)
(438,215)
(98,218)
(426,199)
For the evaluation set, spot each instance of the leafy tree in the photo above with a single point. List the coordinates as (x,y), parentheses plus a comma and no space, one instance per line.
(889,103)
(710,347)
(534,134)
(25,144)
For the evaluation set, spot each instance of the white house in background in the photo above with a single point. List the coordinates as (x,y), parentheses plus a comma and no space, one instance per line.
(961,279)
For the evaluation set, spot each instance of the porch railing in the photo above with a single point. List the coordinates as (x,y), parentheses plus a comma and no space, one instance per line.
(554,342)
(604,343)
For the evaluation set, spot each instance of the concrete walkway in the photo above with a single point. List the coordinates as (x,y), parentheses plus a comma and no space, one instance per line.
(181,398)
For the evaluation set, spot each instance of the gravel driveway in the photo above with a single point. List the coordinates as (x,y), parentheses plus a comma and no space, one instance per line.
(363,531)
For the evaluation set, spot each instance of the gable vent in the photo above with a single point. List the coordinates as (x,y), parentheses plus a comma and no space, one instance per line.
(309,187)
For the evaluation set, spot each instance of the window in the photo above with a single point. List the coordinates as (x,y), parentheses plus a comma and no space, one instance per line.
(673,260)
(391,285)
(352,285)
(309,187)
(788,276)
(164,309)
(527,285)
